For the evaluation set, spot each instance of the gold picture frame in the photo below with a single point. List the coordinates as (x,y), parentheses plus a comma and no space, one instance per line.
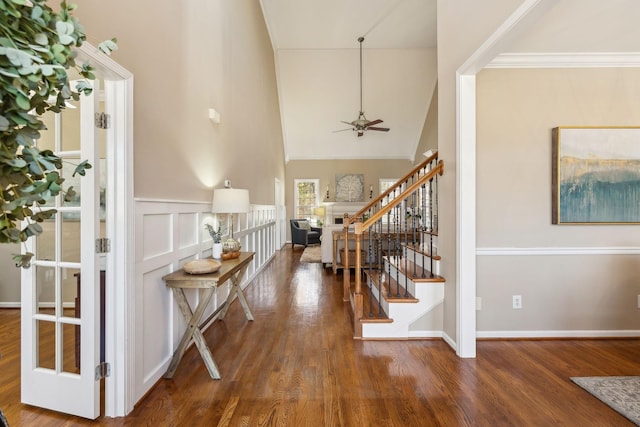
(595,175)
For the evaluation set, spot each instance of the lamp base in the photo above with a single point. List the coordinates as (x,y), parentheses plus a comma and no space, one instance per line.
(230,255)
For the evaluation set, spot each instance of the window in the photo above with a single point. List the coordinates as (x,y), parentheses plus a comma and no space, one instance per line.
(306,197)
(385,184)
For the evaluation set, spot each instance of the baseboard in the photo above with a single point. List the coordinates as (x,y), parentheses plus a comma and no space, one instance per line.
(424,334)
(9,305)
(557,334)
(450,341)
(44,305)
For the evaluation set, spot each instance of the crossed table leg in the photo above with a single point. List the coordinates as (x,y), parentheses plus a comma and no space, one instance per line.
(193,321)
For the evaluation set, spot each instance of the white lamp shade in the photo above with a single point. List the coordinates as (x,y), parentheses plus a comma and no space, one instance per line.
(230,200)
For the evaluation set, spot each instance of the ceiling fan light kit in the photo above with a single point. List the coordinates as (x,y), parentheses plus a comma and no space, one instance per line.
(361,124)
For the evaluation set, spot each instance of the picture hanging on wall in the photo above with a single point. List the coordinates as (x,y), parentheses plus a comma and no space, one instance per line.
(596,175)
(350,187)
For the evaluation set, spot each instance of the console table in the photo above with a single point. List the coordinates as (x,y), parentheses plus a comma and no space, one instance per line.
(178,281)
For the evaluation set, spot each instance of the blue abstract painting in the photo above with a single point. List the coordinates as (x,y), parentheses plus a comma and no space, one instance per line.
(596,175)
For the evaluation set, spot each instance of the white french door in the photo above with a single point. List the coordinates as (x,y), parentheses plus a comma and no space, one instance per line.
(60,291)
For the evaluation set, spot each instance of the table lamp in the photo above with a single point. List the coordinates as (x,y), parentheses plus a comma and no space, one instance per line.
(320,213)
(230,200)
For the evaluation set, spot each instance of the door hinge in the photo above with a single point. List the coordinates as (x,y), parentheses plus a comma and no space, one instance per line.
(103,370)
(103,245)
(103,120)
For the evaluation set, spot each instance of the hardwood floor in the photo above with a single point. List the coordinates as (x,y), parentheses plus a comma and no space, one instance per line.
(297,365)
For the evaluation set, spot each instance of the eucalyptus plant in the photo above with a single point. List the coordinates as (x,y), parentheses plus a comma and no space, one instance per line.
(37,47)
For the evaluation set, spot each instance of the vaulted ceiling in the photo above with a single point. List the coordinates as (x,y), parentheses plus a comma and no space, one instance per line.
(317,61)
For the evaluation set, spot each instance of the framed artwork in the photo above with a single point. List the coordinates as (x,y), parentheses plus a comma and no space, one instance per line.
(350,187)
(596,175)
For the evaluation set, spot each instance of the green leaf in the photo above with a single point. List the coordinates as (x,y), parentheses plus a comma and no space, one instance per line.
(80,169)
(70,194)
(58,52)
(41,39)
(23,260)
(108,46)
(65,30)
(4,123)
(23,102)
(17,163)
(10,72)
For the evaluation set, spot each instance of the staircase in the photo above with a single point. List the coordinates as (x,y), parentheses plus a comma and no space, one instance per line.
(396,270)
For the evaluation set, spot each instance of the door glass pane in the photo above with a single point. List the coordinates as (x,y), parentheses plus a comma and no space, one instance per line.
(68,168)
(45,290)
(70,348)
(46,242)
(70,279)
(47,138)
(70,241)
(70,129)
(46,333)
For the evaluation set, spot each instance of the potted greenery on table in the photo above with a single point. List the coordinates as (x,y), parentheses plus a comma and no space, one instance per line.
(216,235)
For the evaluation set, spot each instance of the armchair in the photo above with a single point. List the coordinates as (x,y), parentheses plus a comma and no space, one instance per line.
(303,234)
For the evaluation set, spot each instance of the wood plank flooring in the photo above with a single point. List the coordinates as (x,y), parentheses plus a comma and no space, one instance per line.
(297,365)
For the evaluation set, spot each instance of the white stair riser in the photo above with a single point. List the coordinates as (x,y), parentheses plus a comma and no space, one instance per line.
(430,295)
(420,260)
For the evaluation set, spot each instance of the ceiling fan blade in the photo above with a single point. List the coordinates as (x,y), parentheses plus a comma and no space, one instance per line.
(373,122)
(381,129)
(341,130)
(347,123)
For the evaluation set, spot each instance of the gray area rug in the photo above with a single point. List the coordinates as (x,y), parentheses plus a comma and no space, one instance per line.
(3,420)
(311,254)
(620,393)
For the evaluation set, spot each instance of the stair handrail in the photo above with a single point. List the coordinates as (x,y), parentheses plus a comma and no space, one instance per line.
(389,190)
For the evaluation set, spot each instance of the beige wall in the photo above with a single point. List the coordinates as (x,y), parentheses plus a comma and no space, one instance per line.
(326,170)
(10,276)
(188,57)
(429,136)
(516,111)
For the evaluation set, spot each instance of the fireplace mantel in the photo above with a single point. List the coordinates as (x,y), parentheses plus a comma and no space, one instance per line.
(335,210)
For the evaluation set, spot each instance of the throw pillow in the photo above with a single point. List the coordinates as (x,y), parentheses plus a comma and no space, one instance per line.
(304,225)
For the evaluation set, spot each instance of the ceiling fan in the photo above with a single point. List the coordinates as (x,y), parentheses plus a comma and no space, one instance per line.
(361,124)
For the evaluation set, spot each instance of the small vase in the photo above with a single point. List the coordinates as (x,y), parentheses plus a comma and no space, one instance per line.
(216,252)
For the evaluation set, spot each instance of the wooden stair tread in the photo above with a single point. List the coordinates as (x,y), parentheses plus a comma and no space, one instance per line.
(388,283)
(407,267)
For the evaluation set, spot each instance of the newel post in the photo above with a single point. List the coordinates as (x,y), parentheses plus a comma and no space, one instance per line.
(358,306)
(346,277)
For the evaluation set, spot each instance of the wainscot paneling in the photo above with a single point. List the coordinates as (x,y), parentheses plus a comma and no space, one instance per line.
(169,234)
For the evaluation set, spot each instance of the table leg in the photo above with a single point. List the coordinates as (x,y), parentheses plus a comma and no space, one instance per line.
(193,331)
(237,290)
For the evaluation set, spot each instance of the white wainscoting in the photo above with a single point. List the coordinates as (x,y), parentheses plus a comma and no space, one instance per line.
(168,234)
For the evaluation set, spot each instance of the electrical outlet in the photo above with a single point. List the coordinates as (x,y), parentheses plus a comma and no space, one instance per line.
(479,303)
(638,301)
(517,301)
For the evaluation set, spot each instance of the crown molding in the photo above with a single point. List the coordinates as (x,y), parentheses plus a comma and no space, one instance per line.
(566,60)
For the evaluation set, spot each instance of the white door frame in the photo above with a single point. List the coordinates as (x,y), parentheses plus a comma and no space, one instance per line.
(528,12)
(119,295)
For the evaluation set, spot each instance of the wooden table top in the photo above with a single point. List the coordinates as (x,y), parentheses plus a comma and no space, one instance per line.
(182,279)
